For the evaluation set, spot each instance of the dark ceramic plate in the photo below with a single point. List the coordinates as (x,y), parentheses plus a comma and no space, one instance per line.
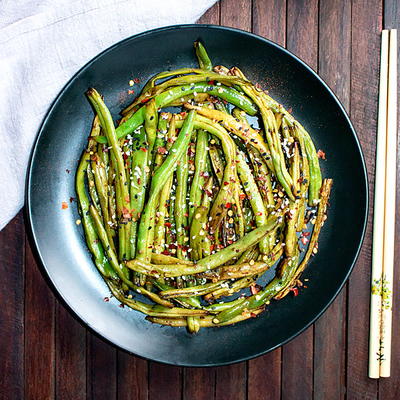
(60,241)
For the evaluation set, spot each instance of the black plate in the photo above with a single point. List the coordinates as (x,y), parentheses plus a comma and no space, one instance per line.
(60,241)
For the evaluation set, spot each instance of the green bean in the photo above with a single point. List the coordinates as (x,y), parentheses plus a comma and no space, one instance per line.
(217,163)
(205,322)
(92,187)
(254,196)
(159,177)
(210,262)
(199,242)
(232,289)
(202,56)
(167,97)
(164,259)
(181,209)
(92,240)
(119,268)
(150,125)
(199,290)
(200,163)
(264,296)
(313,245)
(100,180)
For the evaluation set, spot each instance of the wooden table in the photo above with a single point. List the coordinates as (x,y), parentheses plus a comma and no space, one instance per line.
(46,353)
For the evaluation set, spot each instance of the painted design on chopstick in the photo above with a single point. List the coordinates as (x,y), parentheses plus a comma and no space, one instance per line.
(380,288)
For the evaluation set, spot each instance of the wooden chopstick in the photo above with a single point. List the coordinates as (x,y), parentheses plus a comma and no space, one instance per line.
(379,215)
(384,212)
(390,208)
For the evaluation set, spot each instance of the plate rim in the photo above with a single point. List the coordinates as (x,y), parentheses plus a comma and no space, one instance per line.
(28,206)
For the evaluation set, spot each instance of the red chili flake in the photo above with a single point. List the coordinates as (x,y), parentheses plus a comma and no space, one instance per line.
(229,242)
(228,205)
(136,80)
(143,149)
(124,156)
(259,213)
(71,199)
(167,224)
(258,86)
(172,246)
(321,154)
(295,291)
(242,196)
(138,181)
(127,199)
(254,289)
(67,171)
(106,299)
(253,315)
(161,150)
(131,91)
(305,234)
(304,240)
(226,183)
(121,306)
(211,82)
(290,110)
(126,213)
(165,252)
(183,114)
(186,214)
(64,205)
(225,101)
(145,100)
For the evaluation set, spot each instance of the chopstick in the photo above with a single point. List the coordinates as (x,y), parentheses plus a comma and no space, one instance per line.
(390,208)
(384,212)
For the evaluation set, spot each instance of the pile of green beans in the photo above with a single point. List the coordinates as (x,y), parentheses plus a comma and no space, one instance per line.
(183,209)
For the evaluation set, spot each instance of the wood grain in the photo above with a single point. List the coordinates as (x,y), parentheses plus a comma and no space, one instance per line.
(334,67)
(39,332)
(12,241)
(302,30)
(264,376)
(231,381)
(101,369)
(365,44)
(199,383)
(70,365)
(132,377)
(269,20)
(165,382)
(236,13)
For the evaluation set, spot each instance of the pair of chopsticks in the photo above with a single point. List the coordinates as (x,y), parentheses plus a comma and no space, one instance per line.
(384,212)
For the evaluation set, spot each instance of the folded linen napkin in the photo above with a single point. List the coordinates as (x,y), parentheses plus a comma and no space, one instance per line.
(42,44)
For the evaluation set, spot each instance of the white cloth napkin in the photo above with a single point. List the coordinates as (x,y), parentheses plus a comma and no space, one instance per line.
(42,44)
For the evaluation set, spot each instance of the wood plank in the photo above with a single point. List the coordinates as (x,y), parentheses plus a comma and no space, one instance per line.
(199,383)
(264,373)
(211,16)
(102,369)
(297,367)
(236,13)
(70,356)
(330,329)
(264,376)
(269,20)
(302,40)
(12,240)
(231,382)
(365,44)
(39,332)
(302,30)
(165,382)
(389,388)
(132,377)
